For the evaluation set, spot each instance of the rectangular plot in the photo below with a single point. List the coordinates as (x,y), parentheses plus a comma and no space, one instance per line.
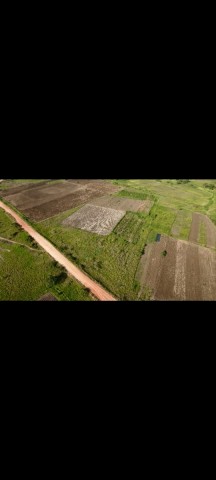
(125,204)
(182,224)
(38,196)
(187,272)
(95,219)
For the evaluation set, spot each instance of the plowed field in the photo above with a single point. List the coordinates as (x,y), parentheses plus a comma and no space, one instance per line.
(187,272)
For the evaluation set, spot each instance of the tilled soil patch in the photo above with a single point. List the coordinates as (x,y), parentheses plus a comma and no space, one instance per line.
(125,204)
(95,219)
(186,272)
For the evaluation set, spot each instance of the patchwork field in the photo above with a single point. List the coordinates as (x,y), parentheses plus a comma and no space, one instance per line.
(140,239)
(95,219)
(45,200)
(178,270)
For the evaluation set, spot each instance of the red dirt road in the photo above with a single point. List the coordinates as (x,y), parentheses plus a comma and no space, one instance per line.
(98,291)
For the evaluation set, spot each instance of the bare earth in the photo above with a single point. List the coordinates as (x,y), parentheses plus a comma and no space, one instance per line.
(188,272)
(125,204)
(47,200)
(95,219)
(210,229)
(96,289)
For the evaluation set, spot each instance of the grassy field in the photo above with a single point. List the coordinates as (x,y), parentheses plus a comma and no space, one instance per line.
(192,196)
(112,260)
(27,274)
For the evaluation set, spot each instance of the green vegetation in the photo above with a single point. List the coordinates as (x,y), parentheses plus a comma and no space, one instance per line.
(27,274)
(112,260)
(191,196)
(202,234)
(136,195)
(12,231)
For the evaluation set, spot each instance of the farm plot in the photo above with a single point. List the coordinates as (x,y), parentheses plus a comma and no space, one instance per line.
(177,270)
(203,227)
(125,204)
(95,219)
(182,224)
(38,196)
(11,189)
(49,200)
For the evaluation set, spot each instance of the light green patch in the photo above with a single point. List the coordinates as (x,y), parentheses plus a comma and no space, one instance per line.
(202,239)
(27,274)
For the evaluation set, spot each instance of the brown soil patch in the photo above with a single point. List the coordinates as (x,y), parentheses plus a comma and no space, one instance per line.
(22,188)
(95,219)
(195,227)
(48,297)
(197,221)
(34,197)
(125,204)
(188,272)
(46,201)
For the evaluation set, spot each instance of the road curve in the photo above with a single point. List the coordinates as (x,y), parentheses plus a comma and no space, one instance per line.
(96,289)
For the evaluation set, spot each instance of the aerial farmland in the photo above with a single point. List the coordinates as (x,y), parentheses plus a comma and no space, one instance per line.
(81,239)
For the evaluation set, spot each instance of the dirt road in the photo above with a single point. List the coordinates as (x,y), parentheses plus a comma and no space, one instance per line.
(98,291)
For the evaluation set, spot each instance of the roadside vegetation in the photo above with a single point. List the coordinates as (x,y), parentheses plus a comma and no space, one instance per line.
(27,274)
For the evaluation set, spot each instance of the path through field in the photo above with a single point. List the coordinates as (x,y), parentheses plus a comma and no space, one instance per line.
(96,289)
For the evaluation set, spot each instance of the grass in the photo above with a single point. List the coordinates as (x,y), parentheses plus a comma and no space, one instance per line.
(113,260)
(28,275)
(12,231)
(192,196)
(136,195)
(202,234)
(182,225)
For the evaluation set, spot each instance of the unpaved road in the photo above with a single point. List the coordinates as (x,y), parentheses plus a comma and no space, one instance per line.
(98,291)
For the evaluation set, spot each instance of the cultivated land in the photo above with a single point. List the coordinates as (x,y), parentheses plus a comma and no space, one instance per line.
(41,201)
(187,272)
(95,219)
(109,230)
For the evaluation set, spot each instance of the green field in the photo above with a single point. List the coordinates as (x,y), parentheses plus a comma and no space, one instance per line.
(29,274)
(192,196)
